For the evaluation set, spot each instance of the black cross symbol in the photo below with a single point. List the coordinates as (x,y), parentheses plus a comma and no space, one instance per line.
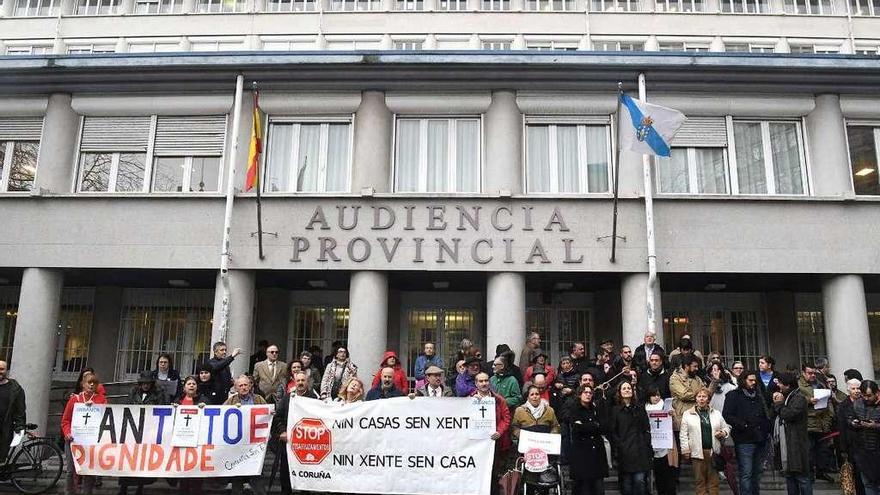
(483,411)
(187,418)
(658,423)
(86,416)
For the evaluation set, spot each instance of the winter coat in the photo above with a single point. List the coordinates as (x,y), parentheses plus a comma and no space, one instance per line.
(152,397)
(847,435)
(221,374)
(819,420)
(15,418)
(377,393)
(400,379)
(445,391)
(549,373)
(640,356)
(649,379)
(506,386)
(567,380)
(747,417)
(210,391)
(235,400)
(691,435)
(329,386)
(502,422)
(864,443)
(586,452)
(792,412)
(173,376)
(684,394)
(465,384)
(523,420)
(80,398)
(631,434)
(423,362)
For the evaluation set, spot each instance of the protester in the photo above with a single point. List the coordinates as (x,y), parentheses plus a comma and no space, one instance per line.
(504,384)
(278,433)
(540,366)
(259,355)
(847,441)
(767,378)
(819,423)
(465,383)
(736,370)
(501,436)
(13,413)
(600,367)
(541,382)
(702,429)
(607,347)
(457,369)
(351,391)
(166,377)
(311,368)
(747,414)
(269,375)
(220,366)
(78,384)
(631,434)
(387,386)
(530,350)
(864,424)
(720,383)
(665,460)
(623,362)
(535,415)
(685,348)
(208,387)
(461,354)
(390,360)
(244,395)
(426,359)
(88,396)
(791,409)
(587,457)
(145,392)
(837,395)
(336,372)
(655,377)
(434,386)
(565,386)
(642,354)
(504,352)
(330,357)
(289,384)
(684,385)
(190,397)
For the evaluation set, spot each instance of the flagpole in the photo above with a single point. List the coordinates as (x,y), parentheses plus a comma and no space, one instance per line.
(259,183)
(650,303)
(616,174)
(222,329)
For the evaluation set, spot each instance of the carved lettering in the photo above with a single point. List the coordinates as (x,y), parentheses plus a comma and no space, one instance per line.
(527,217)
(389,253)
(435,215)
(351,249)
(508,250)
(463,216)
(409,217)
(326,245)
(443,247)
(494,218)
(300,244)
(342,225)
(475,253)
(537,251)
(418,257)
(556,219)
(568,258)
(319,218)
(377,218)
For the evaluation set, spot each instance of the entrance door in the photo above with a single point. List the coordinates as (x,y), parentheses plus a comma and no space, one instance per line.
(316,326)
(736,334)
(444,327)
(559,328)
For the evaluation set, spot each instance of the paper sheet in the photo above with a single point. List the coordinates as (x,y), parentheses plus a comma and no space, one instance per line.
(821,395)
(16,439)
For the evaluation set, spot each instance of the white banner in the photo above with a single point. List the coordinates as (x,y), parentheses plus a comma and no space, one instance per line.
(419,446)
(146,441)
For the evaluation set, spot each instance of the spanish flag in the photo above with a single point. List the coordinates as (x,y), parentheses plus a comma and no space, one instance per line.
(256,146)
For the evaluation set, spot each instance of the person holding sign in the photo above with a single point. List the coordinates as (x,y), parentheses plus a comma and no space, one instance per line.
(207,386)
(167,378)
(702,429)
(351,391)
(665,458)
(88,396)
(190,397)
(387,387)
(502,421)
(244,396)
(631,433)
(586,456)
(535,415)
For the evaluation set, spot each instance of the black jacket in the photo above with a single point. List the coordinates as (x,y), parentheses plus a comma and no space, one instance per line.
(631,434)
(747,416)
(640,356)
(15,418)
(211,393)
(648,380)
(586,454)
(221,374)
(378,393)
(152,397)
(567,380)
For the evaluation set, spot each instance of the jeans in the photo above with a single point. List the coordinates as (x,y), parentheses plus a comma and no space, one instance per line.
(750,463)
(871,488)
(633,483)
(592,486)
(798,484)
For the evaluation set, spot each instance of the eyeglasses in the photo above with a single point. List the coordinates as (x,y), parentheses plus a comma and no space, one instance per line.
(271,352)
(737,367)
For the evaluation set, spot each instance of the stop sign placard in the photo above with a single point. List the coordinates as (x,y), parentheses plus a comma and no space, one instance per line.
(310,441)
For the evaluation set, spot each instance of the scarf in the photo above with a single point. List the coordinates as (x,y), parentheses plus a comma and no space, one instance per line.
(779,436)
(750,394)
(536,411)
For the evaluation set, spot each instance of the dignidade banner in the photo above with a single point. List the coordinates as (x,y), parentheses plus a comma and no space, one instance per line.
(420,446)
(169,442)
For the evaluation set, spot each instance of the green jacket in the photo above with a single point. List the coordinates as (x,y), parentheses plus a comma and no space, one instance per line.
(506,386)
(818,420)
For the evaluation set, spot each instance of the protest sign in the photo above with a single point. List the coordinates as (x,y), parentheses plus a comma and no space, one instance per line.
(419,446)
(661,429)
(550,443)
(482,417)
(139,441)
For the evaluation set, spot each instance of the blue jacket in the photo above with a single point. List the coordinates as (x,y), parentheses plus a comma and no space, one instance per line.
(422,363)
(465,384)
(376,393)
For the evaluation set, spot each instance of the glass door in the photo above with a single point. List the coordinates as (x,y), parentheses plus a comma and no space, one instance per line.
(444,327)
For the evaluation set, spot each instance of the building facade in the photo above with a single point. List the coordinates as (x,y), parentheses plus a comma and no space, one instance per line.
(433,171)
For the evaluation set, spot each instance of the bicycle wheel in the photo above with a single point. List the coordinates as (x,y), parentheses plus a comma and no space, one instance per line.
(37,467)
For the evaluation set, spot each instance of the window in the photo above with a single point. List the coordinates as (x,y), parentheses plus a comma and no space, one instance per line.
(453,5)
(453,43)
(437,155)
(355,5)
(158,6)
(684,46)
(316,326)
(357,43)
(864,7)
(496,45)
(19,144)
(216,45)
(698,164)
(769,158)
(95,7)
(618,46)
(568,158)
(74,332)
(745,6)
(680,6)
(308,156)
(496,5)
(177,321)
(868,50)
(810,7)
(552,45)
(8,316)
(291,44)
(864,156)
(34,8)
(186,154)
(614,5)
(153,47)
(811,336)
(221,6)
(818,49)
(409,5)
(748,47)
(445,327)
(550,5)
(29,50)
(292,6)
(408,45)
(90,48)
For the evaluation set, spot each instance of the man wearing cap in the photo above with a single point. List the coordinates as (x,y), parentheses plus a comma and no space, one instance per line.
(465,382)
(434,386)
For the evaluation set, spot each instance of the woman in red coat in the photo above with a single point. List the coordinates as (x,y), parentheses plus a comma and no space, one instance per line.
(92,393)
(390,360)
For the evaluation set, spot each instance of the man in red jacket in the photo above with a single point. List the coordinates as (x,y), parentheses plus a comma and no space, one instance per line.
(502,426)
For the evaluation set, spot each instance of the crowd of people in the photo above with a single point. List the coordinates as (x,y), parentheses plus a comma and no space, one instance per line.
(729,423)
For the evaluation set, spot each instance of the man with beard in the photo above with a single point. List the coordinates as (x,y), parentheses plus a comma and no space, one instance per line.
(623,366)
(279,425)
(684,385)
(385,389)
(642,354)
(863,421)
(655,377)
(819,423)
(746,413)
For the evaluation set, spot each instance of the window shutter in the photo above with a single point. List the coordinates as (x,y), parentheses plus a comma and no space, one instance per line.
(568,119)
(190,136)
(111,134)
(702,132)
(21,129)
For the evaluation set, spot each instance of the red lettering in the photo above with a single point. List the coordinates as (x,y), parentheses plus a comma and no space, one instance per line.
(92,456)
(128,457)
(156,456)
(106,459)
(78,453)
(190,459)
(173,460)
(258,411)
(207,464)
(143,456)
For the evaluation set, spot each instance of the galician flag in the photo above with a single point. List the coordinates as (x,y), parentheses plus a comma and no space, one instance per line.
(647,129)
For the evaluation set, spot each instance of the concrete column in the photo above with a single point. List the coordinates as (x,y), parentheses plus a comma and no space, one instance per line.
(505,312)
(717,44)
(633,309)
(651,44)
(782,45)
(367,320)
(240,331)
(105,331)
(33,351)
(56,162)
(782,332)
(504,128)
(846,325)
(828,148)
(273,314)
(373,127)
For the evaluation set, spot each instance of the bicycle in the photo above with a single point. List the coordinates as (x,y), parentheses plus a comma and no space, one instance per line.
(34,466)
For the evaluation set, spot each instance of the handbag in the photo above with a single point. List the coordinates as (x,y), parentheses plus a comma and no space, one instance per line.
(847,479)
